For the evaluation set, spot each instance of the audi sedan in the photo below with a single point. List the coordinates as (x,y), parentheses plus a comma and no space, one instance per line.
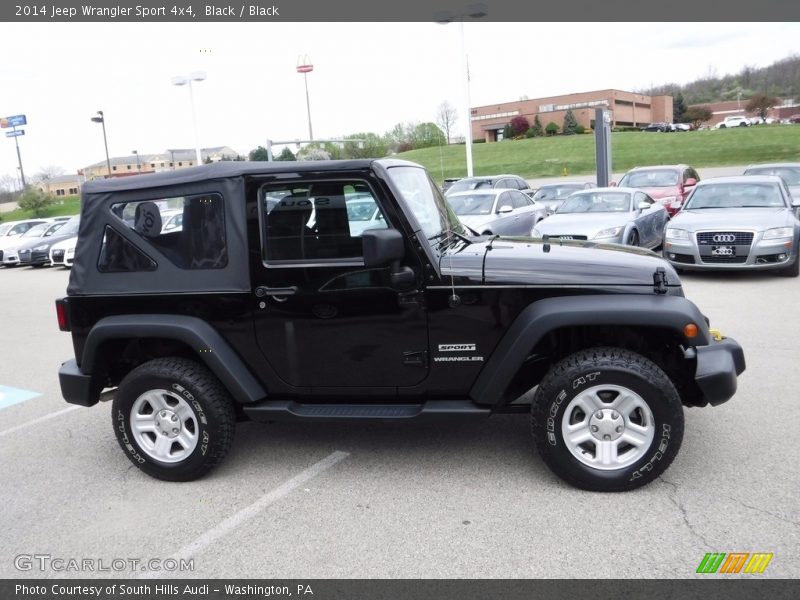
(790,172)
(746,222)
(502,212)
(608,215)
(552,195)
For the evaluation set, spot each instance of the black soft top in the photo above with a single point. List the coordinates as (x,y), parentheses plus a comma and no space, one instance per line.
(227,179)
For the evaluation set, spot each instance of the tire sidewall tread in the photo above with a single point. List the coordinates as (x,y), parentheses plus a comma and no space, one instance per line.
(588,368)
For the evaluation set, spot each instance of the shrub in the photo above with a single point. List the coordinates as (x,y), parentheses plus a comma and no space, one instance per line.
(552,128)
(580,129)
(519,125)
(570,123)
(537,127)
(35,201)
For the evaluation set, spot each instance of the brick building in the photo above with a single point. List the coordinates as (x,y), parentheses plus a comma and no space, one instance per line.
(733,108)
(628,109)
(135,164)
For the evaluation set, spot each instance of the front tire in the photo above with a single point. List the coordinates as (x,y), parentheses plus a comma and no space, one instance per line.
(792,271)
(173,419)
(633,238)
(607,420)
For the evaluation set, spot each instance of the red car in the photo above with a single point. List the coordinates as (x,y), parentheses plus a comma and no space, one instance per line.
(668,184)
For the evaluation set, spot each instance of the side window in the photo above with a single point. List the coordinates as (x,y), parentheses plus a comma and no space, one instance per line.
(199,242)
(504,199)
(118,255)
(317,221)
(520,184)
(517,199)
(640,197)
(20,229)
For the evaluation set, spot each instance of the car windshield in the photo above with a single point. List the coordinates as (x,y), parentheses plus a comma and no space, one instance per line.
(54,227)
(735,195)
(595,202)
(791,175)
(37,230)
(651,178)
(555,192)
(425,201)
(70,227)
(467,185)
(4,228)
(472,204)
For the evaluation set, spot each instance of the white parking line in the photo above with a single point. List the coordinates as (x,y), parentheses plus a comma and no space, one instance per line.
(244,515)
(58,413)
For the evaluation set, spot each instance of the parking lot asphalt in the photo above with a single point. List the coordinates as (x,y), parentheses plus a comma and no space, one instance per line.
(389,500)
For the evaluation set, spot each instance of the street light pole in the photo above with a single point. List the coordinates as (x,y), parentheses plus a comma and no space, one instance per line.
(305,68)
(102,120)
(187,80)
(138,164)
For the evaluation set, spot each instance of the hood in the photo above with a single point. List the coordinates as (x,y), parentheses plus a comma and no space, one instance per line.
(40,241)
(65,243)
(527,261)
(587,224)
(732,218)
(476,221)
(660,192)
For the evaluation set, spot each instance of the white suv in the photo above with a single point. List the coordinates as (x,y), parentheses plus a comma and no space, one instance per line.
(739,121)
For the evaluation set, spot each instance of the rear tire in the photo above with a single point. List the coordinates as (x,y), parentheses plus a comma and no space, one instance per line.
(607,420)
(173,419)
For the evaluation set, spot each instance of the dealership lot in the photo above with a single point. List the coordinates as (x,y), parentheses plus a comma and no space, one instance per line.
(388,500)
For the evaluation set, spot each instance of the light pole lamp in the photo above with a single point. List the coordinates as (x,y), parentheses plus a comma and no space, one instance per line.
(472,11)
(187,80)
(102,120)
(305,67)
(138,164)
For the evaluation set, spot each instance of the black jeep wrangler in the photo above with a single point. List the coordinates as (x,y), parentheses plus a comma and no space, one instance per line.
(349,290)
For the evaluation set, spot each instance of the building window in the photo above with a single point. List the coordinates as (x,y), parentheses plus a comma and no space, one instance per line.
(59,192)
(129,167)
(180,164)
(114,168)
(171,164)
(73,191)
(623,103)
(153,165)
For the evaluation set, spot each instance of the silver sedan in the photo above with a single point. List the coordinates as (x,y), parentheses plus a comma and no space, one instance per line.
(609,215)
(497,211)
(746,222)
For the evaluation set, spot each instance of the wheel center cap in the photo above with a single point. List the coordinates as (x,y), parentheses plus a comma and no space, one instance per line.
(167,423)
(606,425)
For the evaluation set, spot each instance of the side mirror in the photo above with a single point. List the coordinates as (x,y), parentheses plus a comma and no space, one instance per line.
(382,247)
(13,233)
(505,209)
(690,182)
(644,205)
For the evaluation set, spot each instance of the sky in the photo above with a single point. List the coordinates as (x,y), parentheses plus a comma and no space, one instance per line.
(367,76)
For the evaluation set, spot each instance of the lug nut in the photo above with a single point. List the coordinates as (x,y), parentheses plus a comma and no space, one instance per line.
(174,430)
(599,414)
(594,428)
(614,415)
(619,429)
(606,437)
(174,418)
(164,432)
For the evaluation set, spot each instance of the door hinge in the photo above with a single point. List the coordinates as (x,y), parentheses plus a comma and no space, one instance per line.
(416,358)
(660,281)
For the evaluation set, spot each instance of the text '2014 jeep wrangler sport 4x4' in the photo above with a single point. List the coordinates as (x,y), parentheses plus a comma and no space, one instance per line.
(349,290)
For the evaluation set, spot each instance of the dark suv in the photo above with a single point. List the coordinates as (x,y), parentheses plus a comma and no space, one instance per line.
(270,304)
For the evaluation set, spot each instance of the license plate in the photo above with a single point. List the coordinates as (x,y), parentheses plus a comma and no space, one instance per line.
(723,250)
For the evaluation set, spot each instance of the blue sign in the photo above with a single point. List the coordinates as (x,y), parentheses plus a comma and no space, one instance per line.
(14,121)
(15,133)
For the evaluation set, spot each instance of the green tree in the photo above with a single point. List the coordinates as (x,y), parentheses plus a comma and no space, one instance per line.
(552,128)
(537,127)
(426,135)
(369,145)
(697,115)
(519,125)
(760,104)
(259,153)
(570,123)
(508,133)
(35,201)
(678,108)
(286,154)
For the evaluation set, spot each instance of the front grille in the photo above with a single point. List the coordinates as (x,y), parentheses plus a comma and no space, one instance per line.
(1,255)
(686,259)
(731,260)
(739,238)
(58,255)
(566,236)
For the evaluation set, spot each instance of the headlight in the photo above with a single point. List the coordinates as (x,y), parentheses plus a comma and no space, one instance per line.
(41,248)
(778,232)
(536,233)
(676,234)
(70,251)
(610,232)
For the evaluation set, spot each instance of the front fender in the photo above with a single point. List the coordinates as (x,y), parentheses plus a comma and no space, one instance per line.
(544,316)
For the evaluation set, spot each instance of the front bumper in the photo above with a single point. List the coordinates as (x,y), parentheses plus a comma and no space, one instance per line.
(76,386)
(718,366)
(758,255)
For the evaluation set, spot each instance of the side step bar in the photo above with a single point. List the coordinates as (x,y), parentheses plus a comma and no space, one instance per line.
(288,410)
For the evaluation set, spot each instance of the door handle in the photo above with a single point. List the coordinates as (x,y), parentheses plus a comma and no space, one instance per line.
(262,291)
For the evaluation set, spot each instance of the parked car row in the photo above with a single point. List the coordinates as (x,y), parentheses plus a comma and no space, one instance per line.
(28,242)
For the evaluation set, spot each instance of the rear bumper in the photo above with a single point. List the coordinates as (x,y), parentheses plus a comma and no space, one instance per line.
(76,386)
(718,366)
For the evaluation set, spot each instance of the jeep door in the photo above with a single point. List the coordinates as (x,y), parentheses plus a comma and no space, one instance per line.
(324,320)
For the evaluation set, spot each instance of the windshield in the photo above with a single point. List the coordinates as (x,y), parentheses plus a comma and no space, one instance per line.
(472,204)
(425,201)
(555,192)
(4,228)
(70,227)
(735,195)
(595,202)
(648,179)
(791,175)
(467,185)
(36,230)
